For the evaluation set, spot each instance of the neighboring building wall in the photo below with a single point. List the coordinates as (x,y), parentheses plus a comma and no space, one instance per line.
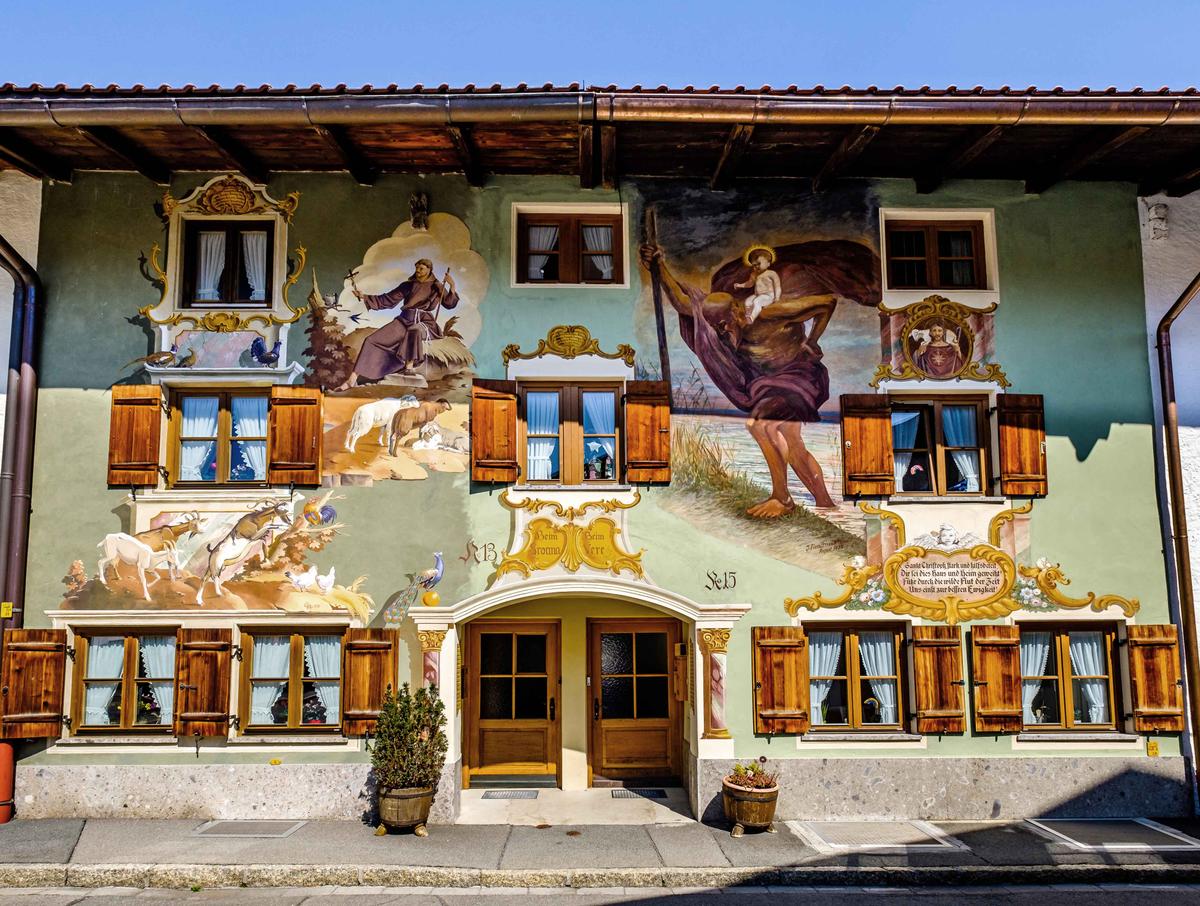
(20,216)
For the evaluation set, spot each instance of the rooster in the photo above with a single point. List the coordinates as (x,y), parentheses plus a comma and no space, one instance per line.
(396,607)
(260,354)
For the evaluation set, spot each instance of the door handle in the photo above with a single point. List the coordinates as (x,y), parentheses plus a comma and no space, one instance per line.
(552,709)
(595,709)
(185,687)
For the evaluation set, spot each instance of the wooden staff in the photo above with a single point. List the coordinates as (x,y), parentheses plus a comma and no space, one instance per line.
(650,237)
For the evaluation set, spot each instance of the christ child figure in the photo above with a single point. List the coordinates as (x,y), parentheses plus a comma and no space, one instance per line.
(766,283)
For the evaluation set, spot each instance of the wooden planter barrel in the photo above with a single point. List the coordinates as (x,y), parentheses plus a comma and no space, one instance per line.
(754,809)
(404,807)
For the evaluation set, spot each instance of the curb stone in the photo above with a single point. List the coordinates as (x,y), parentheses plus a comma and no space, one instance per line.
(33,874)
(419,876)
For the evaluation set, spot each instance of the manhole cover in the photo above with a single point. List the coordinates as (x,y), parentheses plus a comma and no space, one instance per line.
(897,836)
(1114,834)
(247,828)
(638,793)
(510,794)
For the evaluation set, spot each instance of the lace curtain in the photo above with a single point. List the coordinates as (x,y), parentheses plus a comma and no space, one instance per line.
(158,657)
(250,420)
(212,266)
(1035,654)
(824,651)
(323,655)
(541,417)
(254,262)
(199,420)
(599,239)
(272,658)
(958,424)
(1087,658)
(904,434)
(105,660)
(540,237)
(876,650)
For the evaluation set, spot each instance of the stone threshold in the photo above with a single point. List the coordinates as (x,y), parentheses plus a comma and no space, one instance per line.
(178,877)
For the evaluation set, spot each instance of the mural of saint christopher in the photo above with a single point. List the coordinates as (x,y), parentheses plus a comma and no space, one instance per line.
(771,369)
(399,347)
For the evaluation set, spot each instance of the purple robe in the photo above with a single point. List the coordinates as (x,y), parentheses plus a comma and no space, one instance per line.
(394,345)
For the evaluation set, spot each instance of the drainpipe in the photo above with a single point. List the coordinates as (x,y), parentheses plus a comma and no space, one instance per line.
(16,467)
(1179,533)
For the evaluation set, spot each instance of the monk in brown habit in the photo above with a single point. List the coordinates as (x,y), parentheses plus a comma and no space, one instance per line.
(399,347)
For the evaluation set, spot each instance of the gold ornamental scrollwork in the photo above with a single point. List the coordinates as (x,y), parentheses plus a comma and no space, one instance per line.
(714,640)
(537,504)
(887,516)
(569,341)
(548,543)
(952,608)
(431,639)
(231,196)
(1003,517)
(1048,576)
(939,309)
(855,577)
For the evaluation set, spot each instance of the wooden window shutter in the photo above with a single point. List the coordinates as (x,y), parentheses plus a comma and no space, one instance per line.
(294,435)
(368,671)
(494,431)
(647,432)
(203,660)
(938,679)
(134,425)
(1022,424)
(996,669)
(867,465)
(31,683)
(1155,678)
(780,679)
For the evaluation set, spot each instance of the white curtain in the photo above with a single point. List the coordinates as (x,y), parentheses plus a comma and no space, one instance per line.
(105,660)
(599,417)
(199,420)
(1087,658)
(212,265)
(272,658)
(904,434)
(599,239)
(876,650)
(540,237)
(250,420)
(541,417)
(158,657)
(323,653)
(254,261)
(824,650)
(1035,654)
(958,423)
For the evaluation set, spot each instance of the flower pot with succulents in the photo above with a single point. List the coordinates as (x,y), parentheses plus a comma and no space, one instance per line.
(749,793)
(407,758)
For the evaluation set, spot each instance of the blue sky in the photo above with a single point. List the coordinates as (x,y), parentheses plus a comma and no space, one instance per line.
(910,42)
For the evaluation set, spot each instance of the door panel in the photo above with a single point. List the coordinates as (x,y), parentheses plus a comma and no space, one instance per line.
(512,698)
(635,715)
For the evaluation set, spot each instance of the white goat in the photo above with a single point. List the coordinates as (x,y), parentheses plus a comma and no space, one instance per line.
(376,415)
(122,548)
(225,560)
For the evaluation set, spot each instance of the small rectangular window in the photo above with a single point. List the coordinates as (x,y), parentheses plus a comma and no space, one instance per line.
(127,682)
(938,446)
(569,248)
(293,681)
(227,263)
(854,678)
(1067,677)
(571,433)
(936,254)
(220,438)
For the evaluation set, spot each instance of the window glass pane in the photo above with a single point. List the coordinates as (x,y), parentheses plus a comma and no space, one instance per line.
(829,702)
(253,278)
(598,268)
(269,703)
(1039,698)
(906,243)
(827,658)
(1089,658)
(955,244)
(200,416)
(156,662)
(323,656)
(210,264)
(271,663)
(652,652)
(913,472)
(962,471)
(541,459)
(495,653)
(1040,702)
(320,704)
(249,416)
(542,453)
(531,654)
(616,652)
(599,412)
(878,698)
(956,273)
(616,697)
(597,238)
(148,709)
(652,697)
(542,240)
(877,653)
(599,458)
(248,460)
(959,424)
(198,458)
(106,657)
(531,698)
(909,273)
(495,698)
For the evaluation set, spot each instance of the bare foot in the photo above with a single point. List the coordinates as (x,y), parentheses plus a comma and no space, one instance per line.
(771,508)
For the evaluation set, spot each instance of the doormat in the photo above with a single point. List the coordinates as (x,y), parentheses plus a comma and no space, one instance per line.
(509,794)
(1114,834)
(874,836)
(269,829)
(638,793)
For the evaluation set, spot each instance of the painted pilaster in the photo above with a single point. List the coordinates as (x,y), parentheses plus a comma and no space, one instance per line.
(714,643)
(431,655)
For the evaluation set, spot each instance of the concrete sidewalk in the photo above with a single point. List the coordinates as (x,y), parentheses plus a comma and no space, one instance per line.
(171,854)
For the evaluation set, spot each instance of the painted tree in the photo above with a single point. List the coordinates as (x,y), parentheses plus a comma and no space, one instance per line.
(329,364)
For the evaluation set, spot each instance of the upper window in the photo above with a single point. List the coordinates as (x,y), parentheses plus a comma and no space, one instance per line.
(219,438)
(935,254)
(126,682)
(292,681)
(227,263)
(854,678)
(569,248)
(939,446)
(571,433)
(1067,678)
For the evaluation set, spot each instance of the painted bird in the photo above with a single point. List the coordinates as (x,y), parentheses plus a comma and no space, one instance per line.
(260,354)
(157,359)
(188,360)
(396,607)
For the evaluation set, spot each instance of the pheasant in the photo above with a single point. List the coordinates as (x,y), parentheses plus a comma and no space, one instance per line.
(157,359)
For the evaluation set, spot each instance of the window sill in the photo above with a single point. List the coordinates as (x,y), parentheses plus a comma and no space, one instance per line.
(291,740)
(99,740)
(933,498)
(822,736)
(1102,736)
(556,488)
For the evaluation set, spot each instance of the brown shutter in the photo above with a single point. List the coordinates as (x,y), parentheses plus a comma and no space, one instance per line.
(996,669)
(647,432)
(294,434)
(780,679)
(938,679)
(1155,678)
(31,683)
(134,425)
(203,659)
(368,671)
(1022,425)
(494,431)
(868,467)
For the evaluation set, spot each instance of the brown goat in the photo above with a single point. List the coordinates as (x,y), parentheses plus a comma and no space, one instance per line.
(407,420)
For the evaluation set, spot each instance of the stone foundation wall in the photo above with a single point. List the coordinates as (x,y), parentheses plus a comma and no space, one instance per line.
(967,788)
(212,791)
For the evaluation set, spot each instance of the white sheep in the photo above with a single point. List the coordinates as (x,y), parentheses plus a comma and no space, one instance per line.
(376,415)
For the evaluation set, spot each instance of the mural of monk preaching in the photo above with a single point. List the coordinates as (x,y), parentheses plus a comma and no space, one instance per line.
(399,347)
(771,368)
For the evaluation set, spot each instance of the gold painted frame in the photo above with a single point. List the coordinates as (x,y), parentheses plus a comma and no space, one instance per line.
(939,308)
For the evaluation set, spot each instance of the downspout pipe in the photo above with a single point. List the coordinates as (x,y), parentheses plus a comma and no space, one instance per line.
(16,468)
(1176,501)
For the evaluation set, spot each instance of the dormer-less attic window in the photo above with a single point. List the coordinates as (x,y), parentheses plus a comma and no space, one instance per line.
(227,263)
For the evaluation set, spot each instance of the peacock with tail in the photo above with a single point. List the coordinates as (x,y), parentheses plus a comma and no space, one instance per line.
(396,607)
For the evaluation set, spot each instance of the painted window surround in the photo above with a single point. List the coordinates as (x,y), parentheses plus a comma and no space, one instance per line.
(586,207)
(972,298)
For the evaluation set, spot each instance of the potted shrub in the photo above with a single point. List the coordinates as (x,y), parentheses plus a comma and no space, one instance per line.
(749,794)
(407,756)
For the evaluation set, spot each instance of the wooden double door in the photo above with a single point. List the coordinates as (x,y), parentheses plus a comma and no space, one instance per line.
(635,684)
